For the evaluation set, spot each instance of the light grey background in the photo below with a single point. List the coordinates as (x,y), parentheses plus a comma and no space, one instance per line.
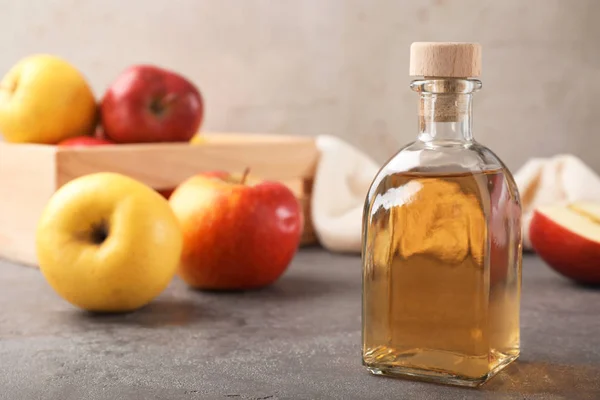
(340,67)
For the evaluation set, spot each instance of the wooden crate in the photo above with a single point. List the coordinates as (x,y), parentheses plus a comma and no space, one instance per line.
(31,173)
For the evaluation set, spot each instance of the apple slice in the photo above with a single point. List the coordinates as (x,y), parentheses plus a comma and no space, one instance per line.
(567,238)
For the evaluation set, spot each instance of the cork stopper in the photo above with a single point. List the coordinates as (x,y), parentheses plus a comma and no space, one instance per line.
(445,60)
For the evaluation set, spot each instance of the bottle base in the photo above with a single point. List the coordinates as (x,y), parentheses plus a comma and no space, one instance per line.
(439,377)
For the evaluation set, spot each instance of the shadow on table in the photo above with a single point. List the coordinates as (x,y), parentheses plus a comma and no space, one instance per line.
(163,312)
(287,288)
(299,287)
(591,287)
(159,313)
(529,378)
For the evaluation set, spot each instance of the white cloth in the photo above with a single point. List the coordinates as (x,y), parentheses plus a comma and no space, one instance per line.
(344,175)
(341,183)
(556,180)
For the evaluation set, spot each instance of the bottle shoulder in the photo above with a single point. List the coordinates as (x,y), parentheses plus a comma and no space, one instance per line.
(443,158)
(447,158)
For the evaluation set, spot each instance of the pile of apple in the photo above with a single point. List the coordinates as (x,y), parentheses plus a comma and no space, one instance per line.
(109,243)
(44,99)
(106,242)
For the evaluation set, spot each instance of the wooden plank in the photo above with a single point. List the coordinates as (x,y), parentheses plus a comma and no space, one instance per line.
(309,235)
(164,165)
(27,178)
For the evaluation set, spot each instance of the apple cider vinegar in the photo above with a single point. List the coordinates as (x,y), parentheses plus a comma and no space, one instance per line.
(442,241)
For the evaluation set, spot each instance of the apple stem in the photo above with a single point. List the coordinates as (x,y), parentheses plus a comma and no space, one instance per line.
(168,99)
(245,175)
(158,106)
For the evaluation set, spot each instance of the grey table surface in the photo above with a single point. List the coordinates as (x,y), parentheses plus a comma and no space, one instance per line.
(298,339)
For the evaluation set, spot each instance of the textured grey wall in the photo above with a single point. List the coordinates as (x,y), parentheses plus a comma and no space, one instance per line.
(340,67)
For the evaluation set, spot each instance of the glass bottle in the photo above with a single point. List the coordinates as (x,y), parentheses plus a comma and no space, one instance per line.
(442,239)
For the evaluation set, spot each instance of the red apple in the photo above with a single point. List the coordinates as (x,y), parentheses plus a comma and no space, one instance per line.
(84,141)
(567,238)
(151,104)
(237,235)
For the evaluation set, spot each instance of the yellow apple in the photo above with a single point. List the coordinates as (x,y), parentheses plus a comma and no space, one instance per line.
(44,99)
(108,243)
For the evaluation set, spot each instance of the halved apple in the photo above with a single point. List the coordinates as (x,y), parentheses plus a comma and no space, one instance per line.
(567,238)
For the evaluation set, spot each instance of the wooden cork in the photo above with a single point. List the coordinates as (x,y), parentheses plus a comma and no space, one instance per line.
(447,108)
(445,60)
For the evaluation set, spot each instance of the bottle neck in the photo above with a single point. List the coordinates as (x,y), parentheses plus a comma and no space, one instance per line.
(445,110)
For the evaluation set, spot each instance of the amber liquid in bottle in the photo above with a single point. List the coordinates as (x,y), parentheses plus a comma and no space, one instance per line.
(442,251)
(433,305)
